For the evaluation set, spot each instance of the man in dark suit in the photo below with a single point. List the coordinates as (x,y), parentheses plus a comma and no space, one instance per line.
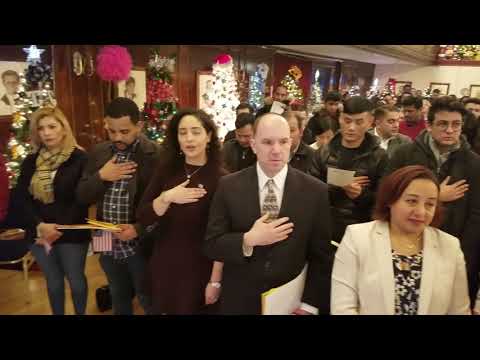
(301,155)
(266,222)
(237,153)
(387,121)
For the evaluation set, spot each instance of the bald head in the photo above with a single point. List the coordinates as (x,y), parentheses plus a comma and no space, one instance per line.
(268,120)
(271,143)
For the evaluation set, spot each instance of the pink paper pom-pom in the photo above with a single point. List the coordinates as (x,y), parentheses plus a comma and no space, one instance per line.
(114,63)
(223,59)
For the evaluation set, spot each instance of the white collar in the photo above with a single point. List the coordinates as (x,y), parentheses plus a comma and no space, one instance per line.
(381,138)
(278,179)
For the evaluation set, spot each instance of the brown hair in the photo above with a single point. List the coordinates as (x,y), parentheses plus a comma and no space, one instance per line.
(382,111)
(392,187)
(10,73)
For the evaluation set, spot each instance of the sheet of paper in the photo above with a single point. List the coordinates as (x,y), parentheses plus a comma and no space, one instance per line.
(277,108)
(339,177)
(286,298)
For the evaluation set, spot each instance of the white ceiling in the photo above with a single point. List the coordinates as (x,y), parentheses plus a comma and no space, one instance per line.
(343,52)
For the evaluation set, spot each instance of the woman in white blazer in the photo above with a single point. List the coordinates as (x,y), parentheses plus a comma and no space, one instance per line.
(399,264)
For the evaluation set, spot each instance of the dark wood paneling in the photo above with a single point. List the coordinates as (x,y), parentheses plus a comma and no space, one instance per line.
(16,53)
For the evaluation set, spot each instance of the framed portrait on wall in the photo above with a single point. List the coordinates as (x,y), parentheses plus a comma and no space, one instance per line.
(135,87)
(399,86)
(443,87)
(205,81)
(10,81)
(475,91)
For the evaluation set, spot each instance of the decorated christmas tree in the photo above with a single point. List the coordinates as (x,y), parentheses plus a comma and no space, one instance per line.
(33,92)
(290,81)
(223,97)
(161,102)
(315,100)
(388,89)
(257,86)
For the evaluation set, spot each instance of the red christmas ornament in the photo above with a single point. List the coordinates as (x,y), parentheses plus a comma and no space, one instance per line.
(223,59)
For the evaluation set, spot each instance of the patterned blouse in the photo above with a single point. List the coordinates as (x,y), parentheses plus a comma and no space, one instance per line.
(408,274)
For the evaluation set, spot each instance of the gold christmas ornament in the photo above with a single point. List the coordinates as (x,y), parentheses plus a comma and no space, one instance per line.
(295,72)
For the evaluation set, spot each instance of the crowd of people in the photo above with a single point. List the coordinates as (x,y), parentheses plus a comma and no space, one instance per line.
(208,224)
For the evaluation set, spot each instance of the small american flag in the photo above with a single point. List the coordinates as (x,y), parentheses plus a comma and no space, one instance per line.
(102,241)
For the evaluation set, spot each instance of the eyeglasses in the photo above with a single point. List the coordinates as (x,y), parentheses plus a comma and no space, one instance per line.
(443,125)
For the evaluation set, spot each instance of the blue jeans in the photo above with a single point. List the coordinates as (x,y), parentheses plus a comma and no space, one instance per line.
(64,260)
(126,277)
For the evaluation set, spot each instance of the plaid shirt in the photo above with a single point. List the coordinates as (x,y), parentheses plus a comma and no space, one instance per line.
(116,206)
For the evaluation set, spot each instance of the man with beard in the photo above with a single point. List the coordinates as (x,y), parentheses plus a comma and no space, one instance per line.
(116,175)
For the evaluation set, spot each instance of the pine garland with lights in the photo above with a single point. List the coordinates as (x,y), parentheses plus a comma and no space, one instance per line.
(223,96)
(161,102)
(34,91)
(459,52)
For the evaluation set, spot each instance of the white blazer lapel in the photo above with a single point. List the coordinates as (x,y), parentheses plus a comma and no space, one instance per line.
(429,268)
(383,249)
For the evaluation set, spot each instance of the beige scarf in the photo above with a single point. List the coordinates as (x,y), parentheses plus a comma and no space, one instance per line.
(41,186)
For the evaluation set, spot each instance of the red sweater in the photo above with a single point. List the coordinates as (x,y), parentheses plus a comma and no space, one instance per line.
(4,192)
(412,130)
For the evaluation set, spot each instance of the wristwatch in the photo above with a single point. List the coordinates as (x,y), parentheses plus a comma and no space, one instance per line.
(215,284)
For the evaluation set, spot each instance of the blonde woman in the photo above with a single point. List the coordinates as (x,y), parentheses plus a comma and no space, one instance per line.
(45,197)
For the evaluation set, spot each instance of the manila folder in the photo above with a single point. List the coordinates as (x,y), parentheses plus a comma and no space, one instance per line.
(285,299)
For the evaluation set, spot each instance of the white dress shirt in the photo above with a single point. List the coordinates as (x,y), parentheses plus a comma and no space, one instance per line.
(279,186)
(383,142)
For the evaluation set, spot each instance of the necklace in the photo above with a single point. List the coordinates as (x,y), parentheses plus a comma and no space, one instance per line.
(193,173)
(409,245)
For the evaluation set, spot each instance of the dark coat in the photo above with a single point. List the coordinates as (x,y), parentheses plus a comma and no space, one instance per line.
(308,133)
(27,213)
(234,210)
(395,142)
(91,188)
(236,157)
(371,162)
(303,158)
(461,217)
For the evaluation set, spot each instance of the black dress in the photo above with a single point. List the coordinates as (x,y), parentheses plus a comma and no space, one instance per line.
(178,271)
